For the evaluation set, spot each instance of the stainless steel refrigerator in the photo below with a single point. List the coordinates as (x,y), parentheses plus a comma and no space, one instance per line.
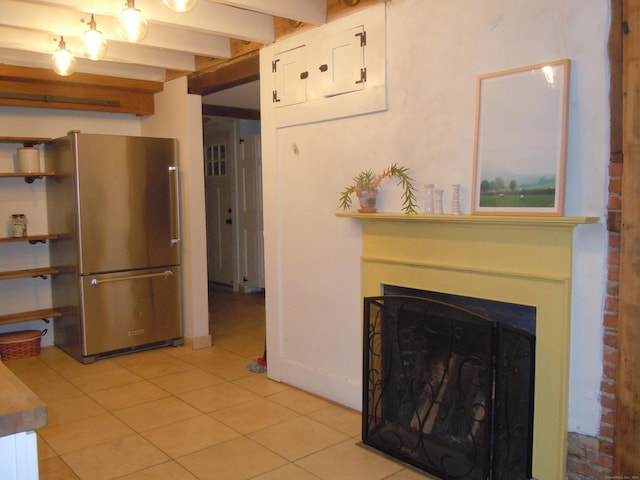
(114,202)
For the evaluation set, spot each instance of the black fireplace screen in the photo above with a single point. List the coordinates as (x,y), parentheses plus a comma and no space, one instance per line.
(447,390)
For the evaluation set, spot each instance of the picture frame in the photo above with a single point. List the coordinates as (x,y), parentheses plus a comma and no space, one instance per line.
(521,141)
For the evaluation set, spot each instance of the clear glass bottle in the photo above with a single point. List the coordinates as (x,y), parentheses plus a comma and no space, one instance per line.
(438,210)
(428,199)
(455,204)
(18,225)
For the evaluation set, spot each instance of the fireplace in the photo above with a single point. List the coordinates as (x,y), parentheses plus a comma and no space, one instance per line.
(446,389)
(517,260)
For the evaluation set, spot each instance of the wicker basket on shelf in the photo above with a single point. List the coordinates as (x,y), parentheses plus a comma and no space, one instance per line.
(21,344)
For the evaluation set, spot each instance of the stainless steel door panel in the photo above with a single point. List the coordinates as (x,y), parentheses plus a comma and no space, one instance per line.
(127,202)
(129,309)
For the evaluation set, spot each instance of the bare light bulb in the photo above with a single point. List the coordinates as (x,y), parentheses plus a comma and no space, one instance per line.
(94,45)
(64,63)
(132,26)
(180,6)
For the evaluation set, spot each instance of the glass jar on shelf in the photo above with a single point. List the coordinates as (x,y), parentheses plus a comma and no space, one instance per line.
(18,225)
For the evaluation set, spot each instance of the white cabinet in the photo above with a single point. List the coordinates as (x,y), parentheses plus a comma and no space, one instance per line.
(343,70)
(19,456)
(290,75)
(333,71)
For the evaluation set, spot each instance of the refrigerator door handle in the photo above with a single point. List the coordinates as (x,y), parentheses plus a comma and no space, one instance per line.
(166,273)
(175,204)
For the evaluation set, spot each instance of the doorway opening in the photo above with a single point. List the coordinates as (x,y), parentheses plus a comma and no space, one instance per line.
(233,190)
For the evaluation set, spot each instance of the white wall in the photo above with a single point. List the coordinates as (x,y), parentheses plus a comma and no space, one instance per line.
(179,115)
(435,51)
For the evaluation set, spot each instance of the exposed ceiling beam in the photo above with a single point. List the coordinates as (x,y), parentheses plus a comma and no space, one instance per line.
(232,112)
(73,23)
(234,72)
(30,87)
(207,17)
(43,42)
(111,69)
(313,12)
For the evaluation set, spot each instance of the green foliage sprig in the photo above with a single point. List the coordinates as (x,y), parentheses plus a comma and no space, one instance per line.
(367,181)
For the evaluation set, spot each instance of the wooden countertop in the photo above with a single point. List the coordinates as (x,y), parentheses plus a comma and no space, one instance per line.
(20,409)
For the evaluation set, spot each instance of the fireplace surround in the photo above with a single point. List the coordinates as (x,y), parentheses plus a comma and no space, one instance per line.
(524,260)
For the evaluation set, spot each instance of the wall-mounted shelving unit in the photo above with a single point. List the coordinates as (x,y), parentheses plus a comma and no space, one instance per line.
(39,272)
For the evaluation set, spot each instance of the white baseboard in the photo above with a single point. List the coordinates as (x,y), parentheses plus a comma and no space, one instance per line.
(344,391)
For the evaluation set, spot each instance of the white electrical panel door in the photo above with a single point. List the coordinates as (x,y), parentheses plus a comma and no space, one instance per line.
(290,74)
(344,68)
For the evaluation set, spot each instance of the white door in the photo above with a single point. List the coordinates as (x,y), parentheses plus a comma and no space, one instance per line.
(252,242)
(218,160)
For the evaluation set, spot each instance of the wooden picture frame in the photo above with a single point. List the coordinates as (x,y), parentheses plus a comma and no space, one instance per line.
(520,142)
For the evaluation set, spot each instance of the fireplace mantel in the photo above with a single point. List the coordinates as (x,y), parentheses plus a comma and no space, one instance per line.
(525,260)
(502,220)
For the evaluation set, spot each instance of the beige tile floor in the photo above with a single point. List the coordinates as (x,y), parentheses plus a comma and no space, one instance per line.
(178,413)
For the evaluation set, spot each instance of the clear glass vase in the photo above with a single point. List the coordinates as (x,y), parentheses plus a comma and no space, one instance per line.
(438,210)
(455,203)
(428,199)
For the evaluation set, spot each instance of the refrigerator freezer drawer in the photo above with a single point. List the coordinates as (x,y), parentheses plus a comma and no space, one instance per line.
(129,309)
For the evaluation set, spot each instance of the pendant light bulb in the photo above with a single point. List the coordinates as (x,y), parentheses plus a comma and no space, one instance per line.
(132,26)
(180,6)
(94,45)
(64,63)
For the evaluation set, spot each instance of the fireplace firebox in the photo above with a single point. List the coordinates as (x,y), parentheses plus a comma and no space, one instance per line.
(447,390)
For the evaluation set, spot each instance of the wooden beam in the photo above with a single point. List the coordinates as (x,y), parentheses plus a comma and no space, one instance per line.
(234,72)
(627,421)
(42,88)
(232,112)
(9,72)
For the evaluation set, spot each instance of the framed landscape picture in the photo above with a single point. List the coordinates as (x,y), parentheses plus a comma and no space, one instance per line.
(520,149)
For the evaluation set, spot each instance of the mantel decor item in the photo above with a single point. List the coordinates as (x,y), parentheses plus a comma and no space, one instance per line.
(365,186)
(520,148)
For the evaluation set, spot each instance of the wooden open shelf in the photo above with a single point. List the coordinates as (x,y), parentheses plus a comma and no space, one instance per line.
(26,174)
(25,140)
(30,272)
(30,238)
(29,177)
(43,314)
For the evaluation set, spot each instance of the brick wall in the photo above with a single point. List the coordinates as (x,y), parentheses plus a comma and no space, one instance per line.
(590,458)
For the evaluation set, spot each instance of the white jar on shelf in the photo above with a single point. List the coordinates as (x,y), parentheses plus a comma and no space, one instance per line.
(29,159)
